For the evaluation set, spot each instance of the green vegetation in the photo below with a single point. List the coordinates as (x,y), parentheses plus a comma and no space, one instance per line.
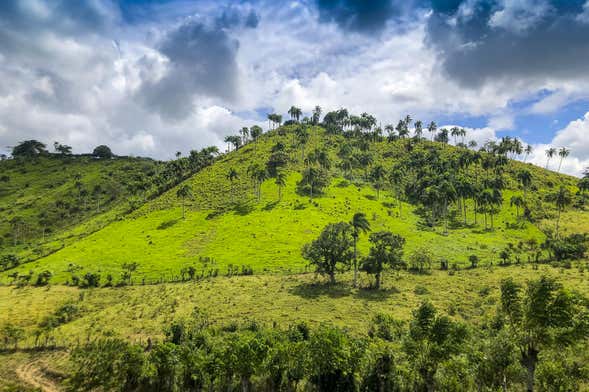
(437,267)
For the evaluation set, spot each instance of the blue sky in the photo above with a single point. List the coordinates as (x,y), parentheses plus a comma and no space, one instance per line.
(153,77)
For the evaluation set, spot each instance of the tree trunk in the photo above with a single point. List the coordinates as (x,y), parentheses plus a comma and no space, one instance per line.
(377,280)
(332,277)
(529,360)
(245,384)
(355,262)
(557,222)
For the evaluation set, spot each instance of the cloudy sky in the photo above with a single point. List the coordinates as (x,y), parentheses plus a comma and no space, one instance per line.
(154,77)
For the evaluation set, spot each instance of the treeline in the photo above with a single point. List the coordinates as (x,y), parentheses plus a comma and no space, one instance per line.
(536,340)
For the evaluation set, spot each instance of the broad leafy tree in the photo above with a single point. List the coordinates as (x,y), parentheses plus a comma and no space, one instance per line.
(386,249)
(333,247)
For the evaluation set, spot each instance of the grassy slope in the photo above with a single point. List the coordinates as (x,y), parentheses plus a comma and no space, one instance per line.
(268,235)
(139,312)
(34,187)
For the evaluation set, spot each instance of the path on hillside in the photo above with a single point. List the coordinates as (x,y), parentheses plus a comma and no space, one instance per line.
(31,374)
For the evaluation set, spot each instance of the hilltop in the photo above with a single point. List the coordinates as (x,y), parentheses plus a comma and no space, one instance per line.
(245,223)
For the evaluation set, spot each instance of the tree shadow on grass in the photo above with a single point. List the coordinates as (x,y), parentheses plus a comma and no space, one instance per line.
(167,224)
(372,294)
(243,208)
(270,206)
(315,290)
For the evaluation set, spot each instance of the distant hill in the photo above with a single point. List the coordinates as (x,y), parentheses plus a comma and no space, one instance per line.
(238,218)
(42,197)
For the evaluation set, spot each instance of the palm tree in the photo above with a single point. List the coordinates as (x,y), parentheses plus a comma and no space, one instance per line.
(244,132)
(232,175)
(316,116)
(472,144)
(528,150)
(525,178)
(550,153)
(562,200)
(431,128)
(562,153)
(184,192)
(255,133)
(359,224)
(302,138)
(517,202)
(377,176)
(280,182)
(418,129)
(455,132)
(295,113)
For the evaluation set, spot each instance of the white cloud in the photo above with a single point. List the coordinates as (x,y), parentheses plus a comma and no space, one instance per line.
(573,137)
(82,90)
(501,122)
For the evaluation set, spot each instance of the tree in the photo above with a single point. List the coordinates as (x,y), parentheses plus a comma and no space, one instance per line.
(128,269)
(386,249)
(562,153)
(295,113)
(102,152)
(11,334)
(108,364)
(232,175)
(418,131)
(316,116)
(184,192)
(377,176)
(517,202)
(302,137)
(543,316)
(255,133)
(550,153)
(431,128)
(525,178)
(421,259)
(359,224)
(244,132)
(528,150)
(562,199)
(29,149)
(333,360)
(280,182)
(314,180)
(62,149)
(333,247)
(432,339)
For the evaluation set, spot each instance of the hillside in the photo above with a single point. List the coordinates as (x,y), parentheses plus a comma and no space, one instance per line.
(228,224)
(45,201)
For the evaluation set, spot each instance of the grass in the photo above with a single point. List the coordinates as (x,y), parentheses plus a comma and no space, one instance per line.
(139,312)
(42,192)
(226,224)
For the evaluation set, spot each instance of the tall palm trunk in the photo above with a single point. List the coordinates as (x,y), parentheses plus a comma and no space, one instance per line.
(355,283)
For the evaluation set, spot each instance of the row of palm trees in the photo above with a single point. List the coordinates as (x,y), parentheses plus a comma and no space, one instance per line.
(551,152)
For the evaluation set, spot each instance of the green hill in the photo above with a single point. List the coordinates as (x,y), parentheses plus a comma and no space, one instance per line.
(227,225)
(44,200)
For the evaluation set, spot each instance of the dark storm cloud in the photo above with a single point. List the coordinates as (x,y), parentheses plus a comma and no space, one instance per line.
(202,64)
(484,41)
(358,15)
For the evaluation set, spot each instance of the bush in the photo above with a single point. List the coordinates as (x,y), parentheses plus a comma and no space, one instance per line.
(43,278)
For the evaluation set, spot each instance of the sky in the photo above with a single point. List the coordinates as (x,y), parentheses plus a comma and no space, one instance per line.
(150,78)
